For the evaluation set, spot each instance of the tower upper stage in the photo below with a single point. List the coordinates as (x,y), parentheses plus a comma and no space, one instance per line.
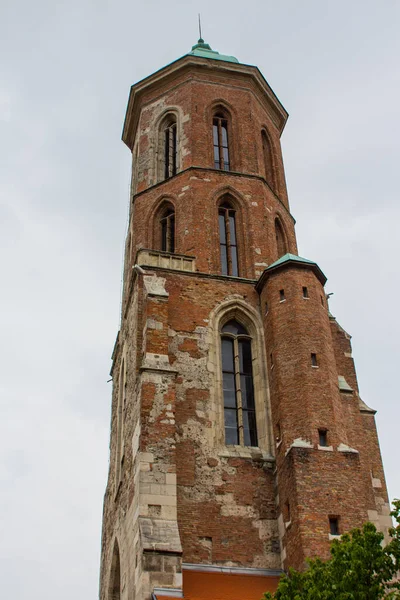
(199,63)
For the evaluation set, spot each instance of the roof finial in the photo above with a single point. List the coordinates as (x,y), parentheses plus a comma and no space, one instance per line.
(201,41)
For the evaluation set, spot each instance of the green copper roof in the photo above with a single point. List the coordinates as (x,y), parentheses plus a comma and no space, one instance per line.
(290,260)
(205,51)
(293,257)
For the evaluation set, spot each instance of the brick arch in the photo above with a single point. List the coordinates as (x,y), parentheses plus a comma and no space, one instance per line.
(154,232)
(114,584)
(229,194)
(238,310)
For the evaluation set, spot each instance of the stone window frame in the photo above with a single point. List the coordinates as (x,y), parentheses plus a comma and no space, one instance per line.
(246,315)
(169,116)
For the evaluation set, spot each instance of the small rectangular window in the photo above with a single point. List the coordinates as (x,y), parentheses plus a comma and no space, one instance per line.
(271,360)
(314,362)
(334,525)
(323,437)
(282,295)
(278,432)
(322,301)
(305,292)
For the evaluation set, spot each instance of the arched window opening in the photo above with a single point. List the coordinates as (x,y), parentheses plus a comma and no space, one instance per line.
(280,239)
(115,576)
(268,162)
(120,425)
(228,240)
(167,227)
(220,142)
(169,148)
(238,389)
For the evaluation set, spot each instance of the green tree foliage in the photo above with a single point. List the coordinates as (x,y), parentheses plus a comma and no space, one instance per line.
(360,568)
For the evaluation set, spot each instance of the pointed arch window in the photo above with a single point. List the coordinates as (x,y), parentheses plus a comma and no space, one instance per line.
(120,425)
(115,576)
(268,162)
(228,240)
(169,148)
(238,388)
(280,238)
(220,142)
(167,229)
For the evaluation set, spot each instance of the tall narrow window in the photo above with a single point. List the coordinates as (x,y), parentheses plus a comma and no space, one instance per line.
(114,590)
(237,375)
(227,240)
(268,163)
(169,148)
(120,426)
(280,238)
(220,141)
(167,222)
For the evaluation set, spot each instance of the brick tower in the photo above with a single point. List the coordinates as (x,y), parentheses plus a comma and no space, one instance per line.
(239,443)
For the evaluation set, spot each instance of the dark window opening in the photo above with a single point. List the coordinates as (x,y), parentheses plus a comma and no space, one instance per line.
(170,151)
(238,391)
(220,142)
(334,525)
(167,223)
(268,162)
(323,437)
(282,295)
(280,239)
(227,241)
(271,359)
(278,432)
(287,511)
(322,301)
(314,362)
(305,292)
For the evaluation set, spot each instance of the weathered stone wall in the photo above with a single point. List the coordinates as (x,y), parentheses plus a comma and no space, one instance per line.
(176,492)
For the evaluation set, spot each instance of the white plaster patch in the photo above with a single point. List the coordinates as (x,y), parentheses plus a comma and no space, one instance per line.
(299,443)
(254,203)
(345,448)
(155,286)
(257,250)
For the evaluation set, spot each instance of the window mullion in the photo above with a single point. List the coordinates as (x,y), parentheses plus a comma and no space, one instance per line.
(239,406)
(170,151)
(228,242)
(220,145)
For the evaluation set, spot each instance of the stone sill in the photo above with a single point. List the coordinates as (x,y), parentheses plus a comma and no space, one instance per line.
(251,453)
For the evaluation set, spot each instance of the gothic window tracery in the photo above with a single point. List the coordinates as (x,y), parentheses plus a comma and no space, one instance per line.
(167,229)
(238,389)
(220,142)
(228,240)
(168,149)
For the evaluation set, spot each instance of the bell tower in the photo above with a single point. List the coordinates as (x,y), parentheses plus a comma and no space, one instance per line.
(239,443)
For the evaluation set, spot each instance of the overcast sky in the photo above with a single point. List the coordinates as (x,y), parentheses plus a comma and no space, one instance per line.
(66,69)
